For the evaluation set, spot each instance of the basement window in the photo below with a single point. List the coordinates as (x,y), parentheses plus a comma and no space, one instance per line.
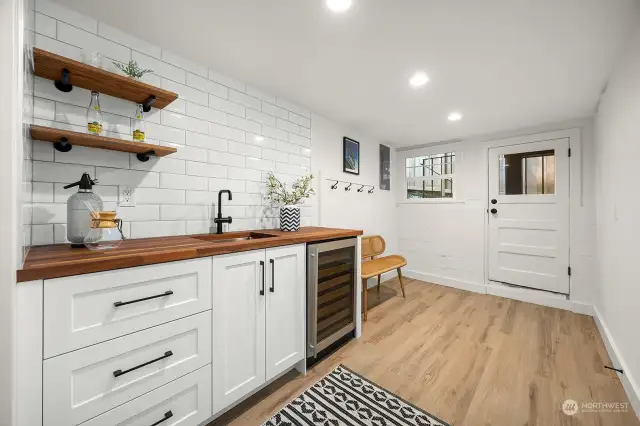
(430,176)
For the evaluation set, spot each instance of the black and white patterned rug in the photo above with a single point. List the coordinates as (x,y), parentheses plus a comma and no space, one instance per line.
(344,398)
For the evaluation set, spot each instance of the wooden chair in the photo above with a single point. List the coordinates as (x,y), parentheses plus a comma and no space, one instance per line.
(372,265)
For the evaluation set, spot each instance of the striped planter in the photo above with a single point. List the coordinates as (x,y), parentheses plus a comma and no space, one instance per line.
(289,218)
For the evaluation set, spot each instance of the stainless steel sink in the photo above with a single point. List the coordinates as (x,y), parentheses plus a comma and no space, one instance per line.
(232,237)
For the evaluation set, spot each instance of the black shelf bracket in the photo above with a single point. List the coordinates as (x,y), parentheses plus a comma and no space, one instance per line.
(63,84)
(146,106)
(63,145)
(144,156)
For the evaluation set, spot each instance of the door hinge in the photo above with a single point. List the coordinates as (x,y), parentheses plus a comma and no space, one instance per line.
(569,152)
(569,270)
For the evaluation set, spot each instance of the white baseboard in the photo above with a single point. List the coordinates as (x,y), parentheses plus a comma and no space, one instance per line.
(630,385)
(538,297)
(448,282)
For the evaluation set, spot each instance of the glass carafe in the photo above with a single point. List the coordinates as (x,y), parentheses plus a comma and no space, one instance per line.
(138,125)
(94,115)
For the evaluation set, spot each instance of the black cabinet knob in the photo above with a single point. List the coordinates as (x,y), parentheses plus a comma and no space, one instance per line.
(494,211)
(494,201)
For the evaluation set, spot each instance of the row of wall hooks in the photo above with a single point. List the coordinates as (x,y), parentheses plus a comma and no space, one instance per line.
(348,186)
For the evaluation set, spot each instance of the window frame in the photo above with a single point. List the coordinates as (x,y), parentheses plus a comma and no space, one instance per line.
(433,176)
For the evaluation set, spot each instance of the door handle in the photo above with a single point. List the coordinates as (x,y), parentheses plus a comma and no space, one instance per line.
(166,417)
(494,201)
(263,278)
(494,211)
(273,276)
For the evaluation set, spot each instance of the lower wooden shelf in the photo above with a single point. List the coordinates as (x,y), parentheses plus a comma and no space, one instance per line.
(65,139)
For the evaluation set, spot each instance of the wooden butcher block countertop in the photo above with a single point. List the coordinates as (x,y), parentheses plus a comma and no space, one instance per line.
(60,260)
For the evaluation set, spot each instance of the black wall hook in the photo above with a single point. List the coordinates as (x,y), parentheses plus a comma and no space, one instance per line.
(335,185)
(146,106)
(63,84)
(361,188)
(371,190)
(144,156)
(348,188)
(63,145)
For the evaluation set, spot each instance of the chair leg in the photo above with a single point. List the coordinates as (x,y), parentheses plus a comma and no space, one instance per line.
(378,285)
(401,283)
(364,299)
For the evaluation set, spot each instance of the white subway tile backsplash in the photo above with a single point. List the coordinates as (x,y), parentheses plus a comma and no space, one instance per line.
(256,93)
(259,164)
(171,181)
(224,132)
(206,85)
(167,164)
(261,117)
(173,119)
(120,37)
(205,169)
(139,213)
(228,136)
(93,43)
(244,149)
(234,186)
(45,25)
(57,172)
(290,106)
(158,229)
(244,124)
(133,178)
(226,106)
(226,159)
(275,110)
(159,196)
(242,173)
(205,141)
(160,68)
(174,212)
(70,16)
(41,234)
(226,81)
(246,100)
(186,64)
(165,133)
(205,113)
(298,119)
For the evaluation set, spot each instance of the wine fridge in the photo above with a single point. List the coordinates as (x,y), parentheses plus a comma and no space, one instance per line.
(331,293)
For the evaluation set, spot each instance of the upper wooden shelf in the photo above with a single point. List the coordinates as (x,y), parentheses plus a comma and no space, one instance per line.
(65,139)
(51,66)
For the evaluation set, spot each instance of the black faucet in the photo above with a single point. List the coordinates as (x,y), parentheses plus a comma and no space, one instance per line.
(219,220)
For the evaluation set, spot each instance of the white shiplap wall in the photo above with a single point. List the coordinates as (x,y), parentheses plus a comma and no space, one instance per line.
(228,136)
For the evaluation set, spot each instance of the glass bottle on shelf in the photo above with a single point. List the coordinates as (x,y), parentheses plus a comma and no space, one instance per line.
(94,115)
(138,125)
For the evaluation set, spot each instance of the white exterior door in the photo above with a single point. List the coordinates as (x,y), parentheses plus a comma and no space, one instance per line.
(529,215)
(238,326)
(285,308)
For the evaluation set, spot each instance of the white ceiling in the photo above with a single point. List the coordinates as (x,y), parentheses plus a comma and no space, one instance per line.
(504,64)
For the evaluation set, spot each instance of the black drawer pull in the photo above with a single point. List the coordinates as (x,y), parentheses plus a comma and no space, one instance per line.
(167,416)
(273,276)
(119,373)
(262,288)
(165,294)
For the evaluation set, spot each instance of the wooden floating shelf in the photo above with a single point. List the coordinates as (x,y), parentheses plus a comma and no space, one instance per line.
(68,138)
(51,66)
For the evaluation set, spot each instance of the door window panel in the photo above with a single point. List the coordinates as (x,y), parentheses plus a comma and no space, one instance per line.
(527,173)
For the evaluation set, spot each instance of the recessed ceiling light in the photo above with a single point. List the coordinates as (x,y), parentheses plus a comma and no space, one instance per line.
(455,116)
(339,6)
(419,79)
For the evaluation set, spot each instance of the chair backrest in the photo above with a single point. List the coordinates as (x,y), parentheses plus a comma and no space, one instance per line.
(373,246)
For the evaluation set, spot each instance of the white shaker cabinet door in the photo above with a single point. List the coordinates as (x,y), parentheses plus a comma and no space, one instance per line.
(238,326)
(285,308)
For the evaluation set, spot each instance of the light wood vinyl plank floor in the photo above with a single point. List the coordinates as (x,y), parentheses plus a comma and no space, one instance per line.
(470,359)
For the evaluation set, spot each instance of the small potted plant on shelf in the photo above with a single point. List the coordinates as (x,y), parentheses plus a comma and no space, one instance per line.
(132,69)
(289,199)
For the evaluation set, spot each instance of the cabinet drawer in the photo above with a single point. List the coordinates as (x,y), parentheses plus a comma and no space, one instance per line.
(85,383)
(183,402)
(87,309)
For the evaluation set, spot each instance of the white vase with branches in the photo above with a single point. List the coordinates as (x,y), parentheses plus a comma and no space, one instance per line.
(289,199)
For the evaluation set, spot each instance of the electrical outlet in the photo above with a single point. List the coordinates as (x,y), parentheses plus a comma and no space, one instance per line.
(126,197)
